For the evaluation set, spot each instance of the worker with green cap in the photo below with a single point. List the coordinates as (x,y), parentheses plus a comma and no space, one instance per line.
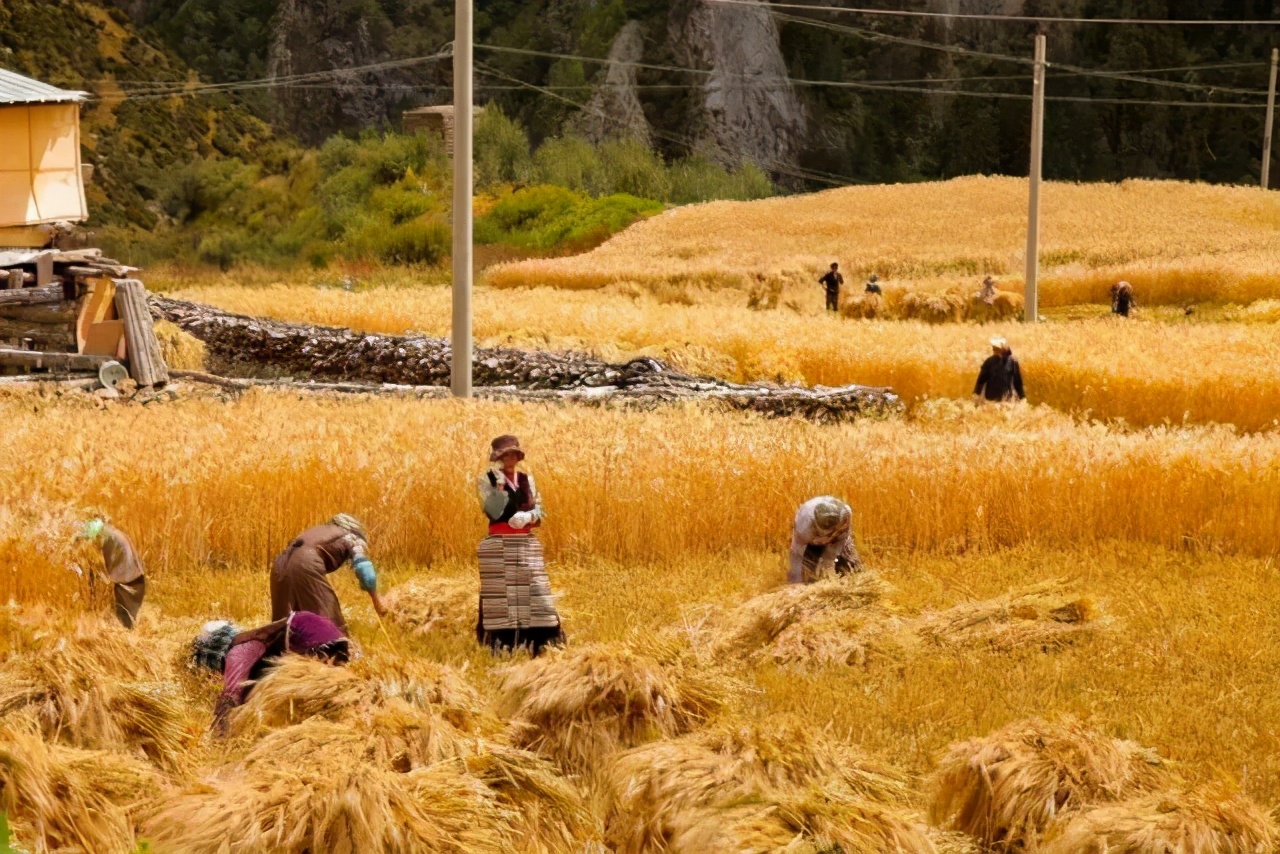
(298,581)
(124,567)
(822,537)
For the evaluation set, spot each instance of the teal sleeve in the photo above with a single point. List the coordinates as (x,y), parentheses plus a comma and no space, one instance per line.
(365,573)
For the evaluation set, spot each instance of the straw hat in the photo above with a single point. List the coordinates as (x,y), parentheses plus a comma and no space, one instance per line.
(999,344)
(503,445)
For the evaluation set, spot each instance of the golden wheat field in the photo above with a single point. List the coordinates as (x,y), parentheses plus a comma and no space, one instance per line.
(1177,242)
(1078,606)
(1145,373)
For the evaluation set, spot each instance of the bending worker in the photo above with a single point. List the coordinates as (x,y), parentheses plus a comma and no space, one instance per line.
(124,567)
(298,581)
(821,538)
(242,657)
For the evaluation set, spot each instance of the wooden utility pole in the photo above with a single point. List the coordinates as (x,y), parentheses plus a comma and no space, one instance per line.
(1031,312)
(1271,121)
(460,366)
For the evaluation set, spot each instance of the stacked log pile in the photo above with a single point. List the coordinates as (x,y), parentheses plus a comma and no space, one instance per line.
(73,311)
(253,347)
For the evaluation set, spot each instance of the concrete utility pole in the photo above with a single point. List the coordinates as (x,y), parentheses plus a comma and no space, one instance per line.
(1271,121)
(1031,313)
(460,369)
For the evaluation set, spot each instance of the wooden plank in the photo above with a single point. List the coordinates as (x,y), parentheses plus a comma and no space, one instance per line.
(44,270)
(97,305)
(26,236)
(105,339)
(53,361)
(146,363)
(63,312)
(31,296)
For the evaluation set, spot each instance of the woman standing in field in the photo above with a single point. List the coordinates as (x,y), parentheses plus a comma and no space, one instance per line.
(516,604)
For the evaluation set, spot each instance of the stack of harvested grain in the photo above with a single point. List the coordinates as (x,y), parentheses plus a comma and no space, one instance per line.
(750,789)
(62,798)
(426,606)
(579,706)
(1046,615)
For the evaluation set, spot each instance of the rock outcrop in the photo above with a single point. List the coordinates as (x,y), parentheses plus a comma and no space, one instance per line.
(615,109)
(750,108)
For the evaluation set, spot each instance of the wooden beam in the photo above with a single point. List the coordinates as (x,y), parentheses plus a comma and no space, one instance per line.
(50,335)
(31,296)
(53,361)
(146,363)
(27,236)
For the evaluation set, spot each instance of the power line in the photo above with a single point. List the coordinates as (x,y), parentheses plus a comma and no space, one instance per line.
(1023,19)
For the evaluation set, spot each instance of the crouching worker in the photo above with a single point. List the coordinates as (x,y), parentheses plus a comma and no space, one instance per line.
(822,538)
(124,568)
(298,581)
(243,657)
(517,608)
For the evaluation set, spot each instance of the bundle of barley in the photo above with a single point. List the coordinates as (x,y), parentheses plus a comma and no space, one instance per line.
(750,789)
(1204,820)
(99,687)
(63,798)
(578,706)
(1047,616)
(312,787)
(299,687)
(1005,306)
(181,350)
(941,307)
(1005,789)
(550,813)
(761,621)
(425,606)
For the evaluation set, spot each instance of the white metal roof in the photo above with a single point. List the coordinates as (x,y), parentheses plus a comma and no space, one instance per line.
(16,89)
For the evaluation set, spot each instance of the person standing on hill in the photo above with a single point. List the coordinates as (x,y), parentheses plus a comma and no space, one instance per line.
(1122,298)
(298,581)
(831,282)
(873,285)
(822,537)
(124,567)
(1000,377)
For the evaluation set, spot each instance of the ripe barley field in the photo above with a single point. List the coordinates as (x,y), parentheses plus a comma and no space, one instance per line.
(659,524)
(1146,373)
(1177,242)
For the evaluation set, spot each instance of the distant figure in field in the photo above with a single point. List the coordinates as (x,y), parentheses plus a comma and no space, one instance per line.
(1000,377)
(873,286)
(988,292)
(124,568)
(243,657)
(1122,298)
(822,537)
(831,282)
(298,581)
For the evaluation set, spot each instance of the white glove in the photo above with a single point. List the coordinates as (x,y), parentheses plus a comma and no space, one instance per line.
(521,519)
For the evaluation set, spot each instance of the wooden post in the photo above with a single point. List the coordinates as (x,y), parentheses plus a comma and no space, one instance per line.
(14,279)
(44,270)
(146,364)
(462,345)
(1031,312)
(1271,121)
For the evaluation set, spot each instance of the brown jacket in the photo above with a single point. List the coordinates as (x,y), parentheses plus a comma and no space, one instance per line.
(122,561)
(298,580)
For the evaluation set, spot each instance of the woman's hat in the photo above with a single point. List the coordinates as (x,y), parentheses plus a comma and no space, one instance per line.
(210,648)
(503,445)
(351,525)
(999,344)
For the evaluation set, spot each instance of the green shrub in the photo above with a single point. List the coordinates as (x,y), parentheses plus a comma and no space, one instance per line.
(570,162)
(546,217)
(501,154)
(631,167)
(697,179)
(420,241)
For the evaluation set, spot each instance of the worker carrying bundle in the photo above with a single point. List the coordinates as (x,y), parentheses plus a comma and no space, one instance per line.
(822,539)
(242,657)
(1122,299)
(517,608)
(124,567)
(298,581)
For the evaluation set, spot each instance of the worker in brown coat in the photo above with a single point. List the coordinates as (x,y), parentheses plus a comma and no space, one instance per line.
(298,580)
(124,567)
